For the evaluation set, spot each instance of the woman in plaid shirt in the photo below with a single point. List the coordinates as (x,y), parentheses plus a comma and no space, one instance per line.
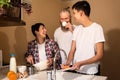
(42,48)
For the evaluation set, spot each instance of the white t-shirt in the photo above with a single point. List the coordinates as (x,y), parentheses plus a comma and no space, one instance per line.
(42,53)
(64,40)
(86,38)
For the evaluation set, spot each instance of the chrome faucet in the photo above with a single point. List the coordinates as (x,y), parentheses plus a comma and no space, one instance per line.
(54,63)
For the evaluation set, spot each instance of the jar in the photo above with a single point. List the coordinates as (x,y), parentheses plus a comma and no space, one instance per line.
(31,70)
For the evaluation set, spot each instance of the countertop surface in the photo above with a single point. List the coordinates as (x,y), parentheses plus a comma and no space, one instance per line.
(3,71)
(60,75)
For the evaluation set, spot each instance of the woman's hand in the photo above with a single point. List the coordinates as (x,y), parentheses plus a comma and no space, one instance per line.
(30,59)
(50,61)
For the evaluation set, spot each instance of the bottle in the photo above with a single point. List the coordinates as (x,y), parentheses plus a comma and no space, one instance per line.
(13,63)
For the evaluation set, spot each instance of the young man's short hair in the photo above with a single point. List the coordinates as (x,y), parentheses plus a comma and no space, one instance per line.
(82,5)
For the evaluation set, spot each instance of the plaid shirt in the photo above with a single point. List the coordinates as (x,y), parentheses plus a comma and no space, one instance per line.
(51,47)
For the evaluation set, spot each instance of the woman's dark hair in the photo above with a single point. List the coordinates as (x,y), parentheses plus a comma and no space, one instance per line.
(47,37)
(82,5)
(36,27)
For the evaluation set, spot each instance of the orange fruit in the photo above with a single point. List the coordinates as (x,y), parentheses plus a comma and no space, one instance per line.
(64,66)
(12,75)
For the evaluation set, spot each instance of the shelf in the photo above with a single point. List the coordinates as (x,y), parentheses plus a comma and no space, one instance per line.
(6,21)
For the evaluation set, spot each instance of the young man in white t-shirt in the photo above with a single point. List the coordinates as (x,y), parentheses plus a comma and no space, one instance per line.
(88,41)
(63,34)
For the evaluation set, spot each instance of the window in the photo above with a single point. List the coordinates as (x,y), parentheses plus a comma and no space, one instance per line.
(12,15)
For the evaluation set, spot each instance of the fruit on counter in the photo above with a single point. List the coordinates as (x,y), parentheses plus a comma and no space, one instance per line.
(12,75)
(25,74)
(65,66)
(20,75)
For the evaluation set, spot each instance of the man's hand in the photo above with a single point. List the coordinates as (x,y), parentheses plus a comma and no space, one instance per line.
(69,26)
(76,66)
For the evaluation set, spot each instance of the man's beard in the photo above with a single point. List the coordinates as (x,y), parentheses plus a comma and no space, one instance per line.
(64,29)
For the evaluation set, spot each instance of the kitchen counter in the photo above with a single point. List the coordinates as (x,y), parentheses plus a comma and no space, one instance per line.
(60,75)
(3,71)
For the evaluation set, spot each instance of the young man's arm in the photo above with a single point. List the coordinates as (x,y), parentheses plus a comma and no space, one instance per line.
(96,58)
(71,53)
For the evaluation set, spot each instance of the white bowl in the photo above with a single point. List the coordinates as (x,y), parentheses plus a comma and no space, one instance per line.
(42,65)
(22,68)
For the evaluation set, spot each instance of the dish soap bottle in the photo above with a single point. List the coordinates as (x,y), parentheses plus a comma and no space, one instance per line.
(13,63)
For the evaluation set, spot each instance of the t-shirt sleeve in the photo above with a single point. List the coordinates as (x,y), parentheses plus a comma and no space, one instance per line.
(75,32)
(99,35)
(55,35)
